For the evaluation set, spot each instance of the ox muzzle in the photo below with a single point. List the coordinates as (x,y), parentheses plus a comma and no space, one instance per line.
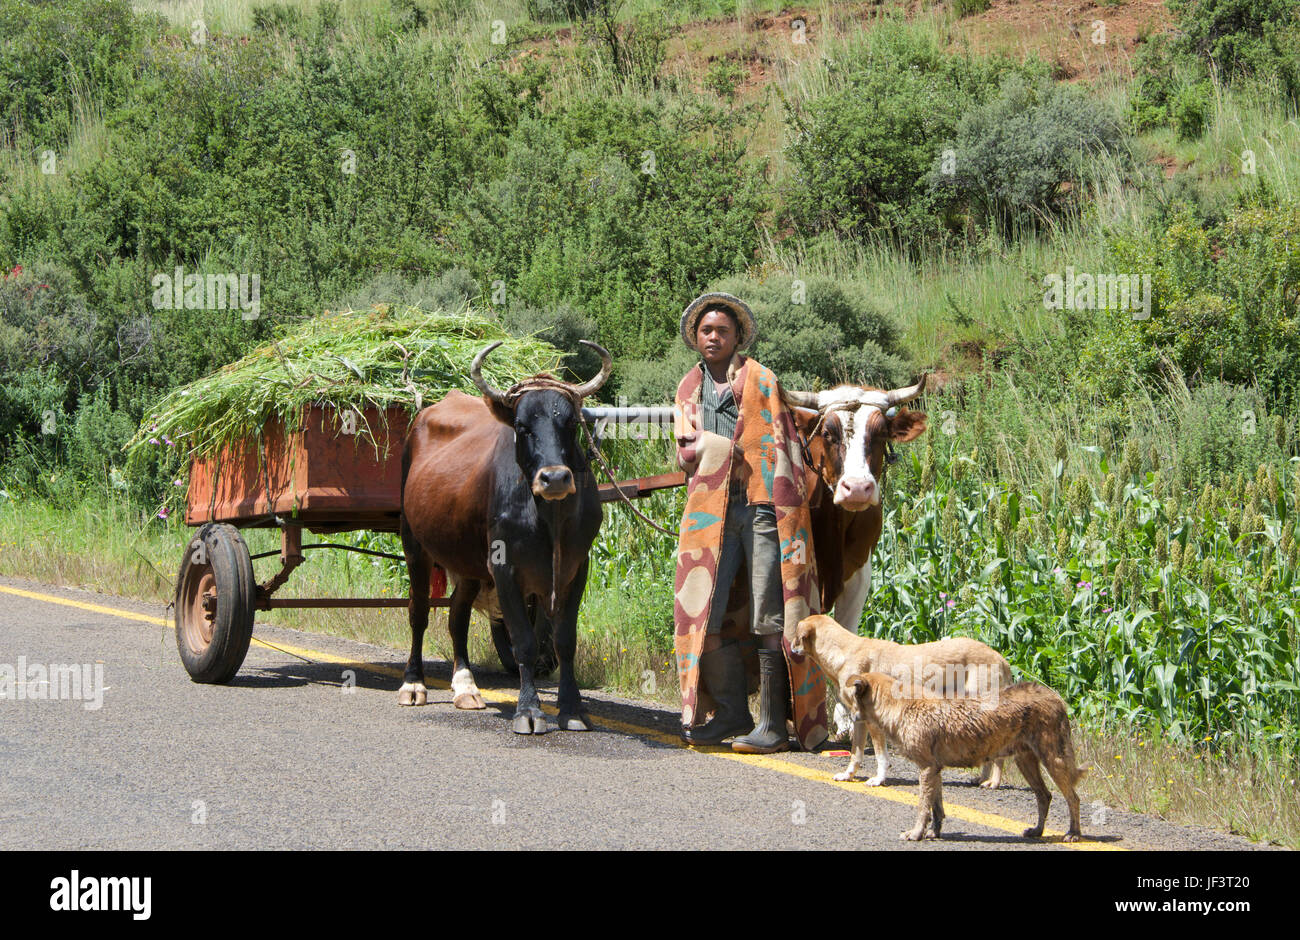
(554,482)
(857,494)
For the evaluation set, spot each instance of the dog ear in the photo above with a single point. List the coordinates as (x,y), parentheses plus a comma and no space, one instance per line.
(859,685)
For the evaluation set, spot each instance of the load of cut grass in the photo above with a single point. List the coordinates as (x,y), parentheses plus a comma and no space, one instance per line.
(385,357)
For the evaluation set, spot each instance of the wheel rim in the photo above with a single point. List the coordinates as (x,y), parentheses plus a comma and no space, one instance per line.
(199,608)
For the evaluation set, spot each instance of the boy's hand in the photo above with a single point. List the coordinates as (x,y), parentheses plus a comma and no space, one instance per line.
(687,453)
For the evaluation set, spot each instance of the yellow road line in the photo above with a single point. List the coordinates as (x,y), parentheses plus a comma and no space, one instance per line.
(892,794)
(96,608)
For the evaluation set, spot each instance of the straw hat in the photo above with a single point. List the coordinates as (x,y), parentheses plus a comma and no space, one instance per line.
(702,304)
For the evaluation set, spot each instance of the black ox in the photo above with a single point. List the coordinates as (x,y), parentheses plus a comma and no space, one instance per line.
(496,490)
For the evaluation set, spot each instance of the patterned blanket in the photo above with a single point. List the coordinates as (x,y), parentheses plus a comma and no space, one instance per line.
(768,444)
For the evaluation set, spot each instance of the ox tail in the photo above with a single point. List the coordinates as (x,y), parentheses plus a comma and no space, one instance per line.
(406,469)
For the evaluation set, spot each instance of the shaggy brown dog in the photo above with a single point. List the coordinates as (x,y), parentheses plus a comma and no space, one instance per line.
(952,666)
(1028,723)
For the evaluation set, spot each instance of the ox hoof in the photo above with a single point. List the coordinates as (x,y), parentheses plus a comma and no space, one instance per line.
(412,693)
(530,724)
(574,721)
(465,693)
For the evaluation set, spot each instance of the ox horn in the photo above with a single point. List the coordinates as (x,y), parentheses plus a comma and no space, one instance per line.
(901,395)
(801,399)
(484,386)
(591,386)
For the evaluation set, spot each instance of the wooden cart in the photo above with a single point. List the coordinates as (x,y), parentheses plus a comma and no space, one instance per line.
(326,478)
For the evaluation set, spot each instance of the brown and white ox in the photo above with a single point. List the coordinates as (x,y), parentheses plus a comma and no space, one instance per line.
(848,430)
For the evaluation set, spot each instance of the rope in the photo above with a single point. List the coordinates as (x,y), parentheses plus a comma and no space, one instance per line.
(595,450)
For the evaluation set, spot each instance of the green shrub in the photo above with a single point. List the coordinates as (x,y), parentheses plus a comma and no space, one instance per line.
(723,78)
(1224,303)
(862,150)
(50,349)
(610,205)
(553,11)
(1012,155)
(453,290)
(277,17)
(1190,110)
(1171,89)
(964,8)
(1250,39)
(56,56)
(1223,429)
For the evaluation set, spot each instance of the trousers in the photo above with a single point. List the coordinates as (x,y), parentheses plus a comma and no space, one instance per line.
(749,532)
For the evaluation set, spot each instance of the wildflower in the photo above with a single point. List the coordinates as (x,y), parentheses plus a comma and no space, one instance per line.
(178,483)
(1084,584)
(952,604)
(169,442)
(162,513)
(1106,610)
(153,440)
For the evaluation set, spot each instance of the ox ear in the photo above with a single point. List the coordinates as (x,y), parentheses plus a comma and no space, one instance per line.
(906,426)
(814,484)
(500,412)
(805,419)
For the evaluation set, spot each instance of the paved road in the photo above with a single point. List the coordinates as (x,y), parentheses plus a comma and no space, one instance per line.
(289,755)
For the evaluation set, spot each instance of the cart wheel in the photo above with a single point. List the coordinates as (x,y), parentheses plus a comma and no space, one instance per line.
(546,658)
(215,603)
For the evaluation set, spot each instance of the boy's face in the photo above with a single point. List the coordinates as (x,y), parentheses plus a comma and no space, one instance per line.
(716,337)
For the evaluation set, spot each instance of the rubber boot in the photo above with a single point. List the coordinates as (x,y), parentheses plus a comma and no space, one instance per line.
(770,735)
(723,672)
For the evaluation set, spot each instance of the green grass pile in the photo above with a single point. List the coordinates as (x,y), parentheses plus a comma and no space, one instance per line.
(352,360)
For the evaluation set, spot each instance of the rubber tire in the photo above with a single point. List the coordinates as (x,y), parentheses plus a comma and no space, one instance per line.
(547,660)
(232,630)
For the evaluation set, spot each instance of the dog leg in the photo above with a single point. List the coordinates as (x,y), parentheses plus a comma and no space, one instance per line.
(991,775)
(931,795)
(855,754)
(1028,764)
(1064,773)
(880,744)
